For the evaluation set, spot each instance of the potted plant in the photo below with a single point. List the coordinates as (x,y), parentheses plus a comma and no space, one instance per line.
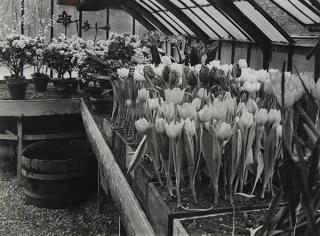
(16,53)
(61,55)
(40,79)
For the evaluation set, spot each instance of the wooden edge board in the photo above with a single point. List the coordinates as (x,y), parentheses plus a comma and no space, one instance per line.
(31,137)
(178,229)
(19,108)
(134,220)
(8,137)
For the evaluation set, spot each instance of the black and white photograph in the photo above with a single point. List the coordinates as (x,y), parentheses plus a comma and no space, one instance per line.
(159,117)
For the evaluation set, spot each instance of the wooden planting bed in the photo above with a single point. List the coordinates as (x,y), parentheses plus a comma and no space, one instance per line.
(164,220)
(111,177)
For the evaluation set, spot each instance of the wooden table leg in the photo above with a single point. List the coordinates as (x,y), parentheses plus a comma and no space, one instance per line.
(19,150)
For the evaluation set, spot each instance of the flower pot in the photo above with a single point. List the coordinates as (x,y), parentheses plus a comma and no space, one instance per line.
(40,82)
(100,104)
(65,87)
(17,88)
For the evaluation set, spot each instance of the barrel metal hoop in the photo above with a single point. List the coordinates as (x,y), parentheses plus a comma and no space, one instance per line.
(32,175)
(43,196)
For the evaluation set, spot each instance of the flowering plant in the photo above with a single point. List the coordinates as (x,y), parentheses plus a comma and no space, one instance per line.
(62,54)
(121,46)
(16,53)
(38,47)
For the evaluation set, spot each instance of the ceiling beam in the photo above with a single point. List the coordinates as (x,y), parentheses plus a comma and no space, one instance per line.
(136,15)
(148,15)
(185,19)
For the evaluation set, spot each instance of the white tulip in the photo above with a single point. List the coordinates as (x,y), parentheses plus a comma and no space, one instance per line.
(143,95)
(142,125)
(173,130)
(261,117)
(251,106)
(123,73)
(274,116)
(190,127)
(243,63)
(196,103)
(160,125)
(224,131)
(246,119)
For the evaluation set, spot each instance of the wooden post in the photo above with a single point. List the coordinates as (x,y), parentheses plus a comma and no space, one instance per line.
(108,22)
(317,64)
(133,26)
(249,54)
(233,51)
(290,55)
(51,17)
(266,56)
(80,24)
(219,50)
(19,149)
(22,17)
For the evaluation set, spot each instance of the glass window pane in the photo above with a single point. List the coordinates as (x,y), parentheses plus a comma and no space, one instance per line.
(294,11)
(177,3)
(260,21)
(197,21)
(225,22)
(180,23)
(306,10)
(176,26)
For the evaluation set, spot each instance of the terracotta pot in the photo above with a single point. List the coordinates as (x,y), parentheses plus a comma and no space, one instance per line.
(65,87)
(17,87)
(40,82)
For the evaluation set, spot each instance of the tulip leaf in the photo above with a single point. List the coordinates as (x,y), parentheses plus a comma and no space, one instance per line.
(178,161)
(211,149)
(269,157)
(154,151)
(260,165)
(312,136)
(138,155)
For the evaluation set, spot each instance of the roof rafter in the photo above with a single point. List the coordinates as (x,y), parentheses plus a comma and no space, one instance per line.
(148,15)
(183,18)
(136,15)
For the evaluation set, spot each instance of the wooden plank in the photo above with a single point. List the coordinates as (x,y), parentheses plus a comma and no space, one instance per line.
(134,219)
(19,108)
(178,229)
(19,150)
(31,137)
(8,137)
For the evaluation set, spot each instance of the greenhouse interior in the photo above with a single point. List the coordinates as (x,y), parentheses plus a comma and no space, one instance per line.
(196,117)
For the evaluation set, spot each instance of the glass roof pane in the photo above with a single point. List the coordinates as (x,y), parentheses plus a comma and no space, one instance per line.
(287,5)
(169,27)
(203,26)
(259,20)
(180,23)
(210,22)
(157,4)
(307,11)
(164,22)
(225,22)
(155,9)
(177,3)
(178,27)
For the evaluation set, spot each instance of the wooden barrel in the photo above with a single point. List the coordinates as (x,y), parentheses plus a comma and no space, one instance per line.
(7,159)
(58,174)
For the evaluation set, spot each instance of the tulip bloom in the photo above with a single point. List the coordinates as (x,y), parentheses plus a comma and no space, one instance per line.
(219,109)
(142,125)
(243,63)
(274,116)
(167,110)
(174,95)
(251,106)
(153,103)
(224,131)
(143,95)
(160,125)
(246,119)
(123,73)
(187,110)
(261,117)
(202,93)
(173,130)
(196,103)
(190,127)
(166,60)
(205,114)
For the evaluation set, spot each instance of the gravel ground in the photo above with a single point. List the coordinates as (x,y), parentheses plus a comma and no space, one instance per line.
(17,218)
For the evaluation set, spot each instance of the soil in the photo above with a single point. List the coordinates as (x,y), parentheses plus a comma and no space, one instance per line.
(204,192)
(223,224)
(205,198)
(18,218)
